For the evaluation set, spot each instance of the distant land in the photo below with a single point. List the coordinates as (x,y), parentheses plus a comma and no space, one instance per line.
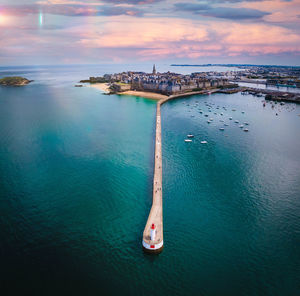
(14,81)
(233,65)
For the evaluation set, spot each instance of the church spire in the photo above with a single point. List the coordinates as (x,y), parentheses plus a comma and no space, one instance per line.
(154,70)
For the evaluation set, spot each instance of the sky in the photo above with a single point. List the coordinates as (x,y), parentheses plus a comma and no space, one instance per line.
(45,32)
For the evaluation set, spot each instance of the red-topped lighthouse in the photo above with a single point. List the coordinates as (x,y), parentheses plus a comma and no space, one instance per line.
(152,232)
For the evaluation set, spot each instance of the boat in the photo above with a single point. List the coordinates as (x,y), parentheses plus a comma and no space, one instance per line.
(222,113)
(236,121)
(203,142)
(246,123)
(187,140)
(225,124)
(208,121)
(211,119)
(221,128)
(246,130)
(243,112)
(230,118)
(206,115)
(190,136)
(233,109)
(241,126)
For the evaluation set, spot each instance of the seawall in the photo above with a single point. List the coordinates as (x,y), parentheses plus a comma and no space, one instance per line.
(153,233)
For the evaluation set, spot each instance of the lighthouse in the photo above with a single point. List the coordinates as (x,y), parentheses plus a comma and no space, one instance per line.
(152,232)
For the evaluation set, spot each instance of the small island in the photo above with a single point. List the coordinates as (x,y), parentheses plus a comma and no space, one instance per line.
(14,81)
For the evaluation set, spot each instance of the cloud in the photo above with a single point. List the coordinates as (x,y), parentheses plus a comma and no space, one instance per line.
(233,13)
(142,33)
(193,7)
(71,10)
(188,39)
(236,1)
(221,12)
(133,1)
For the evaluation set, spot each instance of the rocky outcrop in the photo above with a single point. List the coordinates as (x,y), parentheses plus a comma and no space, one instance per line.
(14,81)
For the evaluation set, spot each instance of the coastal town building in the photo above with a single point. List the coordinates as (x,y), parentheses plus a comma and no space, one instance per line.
(165,83)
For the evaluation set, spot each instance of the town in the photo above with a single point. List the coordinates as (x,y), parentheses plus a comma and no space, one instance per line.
(170,83)
(164,83)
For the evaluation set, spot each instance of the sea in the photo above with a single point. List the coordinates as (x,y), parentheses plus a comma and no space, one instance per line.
(76,169)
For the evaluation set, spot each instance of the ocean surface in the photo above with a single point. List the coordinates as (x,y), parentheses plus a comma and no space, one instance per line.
(76,170)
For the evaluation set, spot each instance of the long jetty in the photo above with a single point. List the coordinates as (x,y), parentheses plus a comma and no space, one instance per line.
(153,233)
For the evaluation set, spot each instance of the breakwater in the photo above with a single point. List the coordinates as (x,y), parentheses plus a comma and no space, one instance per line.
(153,232)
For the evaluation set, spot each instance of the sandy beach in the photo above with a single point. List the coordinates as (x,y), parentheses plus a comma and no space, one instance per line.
(101,86)
(144,94)
(149,95)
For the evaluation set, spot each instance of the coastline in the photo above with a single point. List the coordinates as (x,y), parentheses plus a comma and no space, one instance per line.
(144,94)
(104,87)
(100,86)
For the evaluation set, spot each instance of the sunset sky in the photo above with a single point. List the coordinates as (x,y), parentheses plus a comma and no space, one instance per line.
(134,31)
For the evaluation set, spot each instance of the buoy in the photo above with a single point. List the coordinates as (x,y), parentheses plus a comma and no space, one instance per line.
(152,232)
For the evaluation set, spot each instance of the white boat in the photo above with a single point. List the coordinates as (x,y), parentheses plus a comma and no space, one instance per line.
(236,121)
(246,130)
(222,113)
(190,136)
(221,128)
(246,123)
(187,140)
(203,142)
(208,121)
(241,126)
(211,119)
(230,118)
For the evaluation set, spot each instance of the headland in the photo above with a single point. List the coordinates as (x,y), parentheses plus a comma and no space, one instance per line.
(158,86)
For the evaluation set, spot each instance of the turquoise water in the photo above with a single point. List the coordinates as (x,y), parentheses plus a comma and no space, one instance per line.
(76,170)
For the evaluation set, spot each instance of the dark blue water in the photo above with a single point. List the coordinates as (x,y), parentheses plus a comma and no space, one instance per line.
(76,171)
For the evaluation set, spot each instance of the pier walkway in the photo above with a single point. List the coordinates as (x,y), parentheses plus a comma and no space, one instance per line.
(156,216)
(153,232)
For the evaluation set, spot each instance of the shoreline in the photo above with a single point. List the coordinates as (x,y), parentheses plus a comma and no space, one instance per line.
(143,94)
(100,86)
(104,87)
(276,95)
